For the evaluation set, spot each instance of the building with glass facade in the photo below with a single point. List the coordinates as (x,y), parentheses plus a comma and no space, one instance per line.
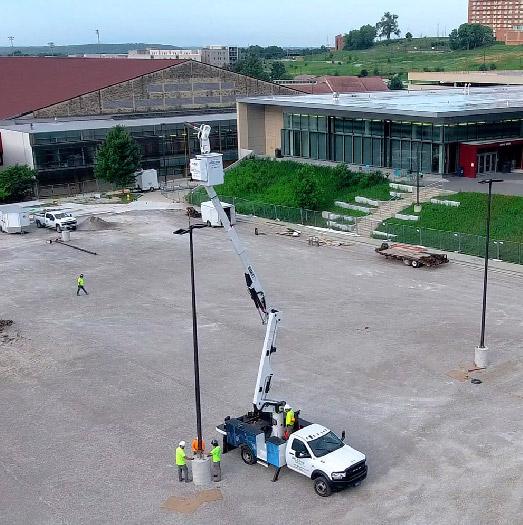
(64,151)
(432,132)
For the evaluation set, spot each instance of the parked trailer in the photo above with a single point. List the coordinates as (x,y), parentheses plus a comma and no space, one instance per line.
(415,256)
(14,219)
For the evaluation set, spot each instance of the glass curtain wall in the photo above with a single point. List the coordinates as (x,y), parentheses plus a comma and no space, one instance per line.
(69,156)
(404,145)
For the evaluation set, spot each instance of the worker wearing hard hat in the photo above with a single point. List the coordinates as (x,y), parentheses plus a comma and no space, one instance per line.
(216,462)
(181,462)
(290,420)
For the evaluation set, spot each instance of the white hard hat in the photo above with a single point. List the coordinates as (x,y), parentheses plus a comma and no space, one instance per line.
(182,443)
(287,406)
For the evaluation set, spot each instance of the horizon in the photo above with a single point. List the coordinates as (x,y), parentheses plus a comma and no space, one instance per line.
(35,23)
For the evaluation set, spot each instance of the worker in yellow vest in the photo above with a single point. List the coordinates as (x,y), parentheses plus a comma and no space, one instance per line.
(81,283)
(290,420)
(216,462)
(181,462)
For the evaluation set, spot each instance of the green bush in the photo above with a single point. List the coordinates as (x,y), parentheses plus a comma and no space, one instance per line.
(298,185)
(16,182)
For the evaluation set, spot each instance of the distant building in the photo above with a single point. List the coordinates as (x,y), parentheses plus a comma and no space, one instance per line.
(335,84)
(170,54)
(443,80)
(55,112)
(339,43)
(505,17)
(218,56)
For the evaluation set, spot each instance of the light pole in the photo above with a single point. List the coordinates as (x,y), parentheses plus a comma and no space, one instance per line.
(196,360)
(97,31)
(480,356)
(11,38)
(51,45)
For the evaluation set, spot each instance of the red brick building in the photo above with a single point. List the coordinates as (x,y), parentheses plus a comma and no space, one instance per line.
(505,17)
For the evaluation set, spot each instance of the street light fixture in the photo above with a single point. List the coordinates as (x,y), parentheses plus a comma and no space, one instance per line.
(480,359)
(196,360)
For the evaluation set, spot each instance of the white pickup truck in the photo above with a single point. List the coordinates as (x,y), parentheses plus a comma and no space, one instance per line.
(57,219)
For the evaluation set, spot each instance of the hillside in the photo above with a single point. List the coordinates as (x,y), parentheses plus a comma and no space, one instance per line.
(401,56)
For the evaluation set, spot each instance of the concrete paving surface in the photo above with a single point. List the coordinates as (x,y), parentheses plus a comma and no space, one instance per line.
(96,391)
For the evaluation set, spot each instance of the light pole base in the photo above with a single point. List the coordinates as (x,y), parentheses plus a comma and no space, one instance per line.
(417,208)
(201,472)
(481,357)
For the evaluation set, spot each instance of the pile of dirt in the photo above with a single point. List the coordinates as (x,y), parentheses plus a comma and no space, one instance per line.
(5,323)
(94,223)
(189,504)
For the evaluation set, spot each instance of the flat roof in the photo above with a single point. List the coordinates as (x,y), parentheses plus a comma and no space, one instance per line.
(48,126)
(421,104)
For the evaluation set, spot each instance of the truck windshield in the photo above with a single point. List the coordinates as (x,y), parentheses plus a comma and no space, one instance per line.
(62,215)
(325,444)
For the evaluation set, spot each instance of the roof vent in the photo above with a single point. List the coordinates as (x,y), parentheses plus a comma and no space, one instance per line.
(336,96)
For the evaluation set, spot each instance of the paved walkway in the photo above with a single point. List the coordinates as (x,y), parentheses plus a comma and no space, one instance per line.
(513,184)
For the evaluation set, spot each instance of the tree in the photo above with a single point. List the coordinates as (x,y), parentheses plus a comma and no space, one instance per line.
(395,83)
(362,38)
(388,25)
(308,192)
(118,158)
(252,66)
(471,36)
(278,71)
(16,182)
(408,35)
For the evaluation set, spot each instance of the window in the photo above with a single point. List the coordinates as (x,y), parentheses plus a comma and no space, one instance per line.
(322,123)
(325,444)
(358,126)
(300,448)
(338,148)
(367,151)
(357,150)
(376,152)
(322,146)
(348,149)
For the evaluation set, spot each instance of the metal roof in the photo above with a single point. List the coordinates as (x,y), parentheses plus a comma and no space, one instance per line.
(35,127)
(31,83)
(421,104)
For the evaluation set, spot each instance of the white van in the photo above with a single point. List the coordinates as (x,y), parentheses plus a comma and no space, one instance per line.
(147,180)
(14,219)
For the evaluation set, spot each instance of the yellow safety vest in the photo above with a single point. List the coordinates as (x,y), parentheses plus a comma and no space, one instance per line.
(289,418)
(180,457)
(216,454)
(81,281)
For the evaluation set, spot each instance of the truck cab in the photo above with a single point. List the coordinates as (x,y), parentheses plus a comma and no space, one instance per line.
(318,453)
(57,219)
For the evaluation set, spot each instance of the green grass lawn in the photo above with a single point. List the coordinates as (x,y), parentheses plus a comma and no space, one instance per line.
(299,185)
(506,224)
(400,57)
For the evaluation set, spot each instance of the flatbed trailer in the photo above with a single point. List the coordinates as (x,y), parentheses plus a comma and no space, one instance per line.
(415,256)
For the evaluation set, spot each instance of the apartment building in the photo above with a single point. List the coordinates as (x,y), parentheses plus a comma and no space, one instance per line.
(505,17)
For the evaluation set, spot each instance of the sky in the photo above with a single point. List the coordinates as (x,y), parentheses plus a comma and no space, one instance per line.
(202,22)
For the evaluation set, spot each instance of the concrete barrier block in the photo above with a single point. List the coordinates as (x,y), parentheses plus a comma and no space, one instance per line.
(403,217)
(365,200)
(454,204)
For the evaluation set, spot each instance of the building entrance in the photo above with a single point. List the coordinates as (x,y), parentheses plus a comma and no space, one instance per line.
(487,162)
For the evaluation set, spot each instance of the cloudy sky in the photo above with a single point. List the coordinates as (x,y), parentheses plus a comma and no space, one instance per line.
(201,22)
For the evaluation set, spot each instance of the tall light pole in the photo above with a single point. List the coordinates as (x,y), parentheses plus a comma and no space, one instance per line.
(11,38)
(196,359)
(97,31)
(51,45)
(480,356)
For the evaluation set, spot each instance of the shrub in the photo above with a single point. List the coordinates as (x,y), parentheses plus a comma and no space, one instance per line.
(16,182)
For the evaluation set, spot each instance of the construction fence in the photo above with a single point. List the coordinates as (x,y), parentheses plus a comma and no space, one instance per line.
(507,251)
(268,211)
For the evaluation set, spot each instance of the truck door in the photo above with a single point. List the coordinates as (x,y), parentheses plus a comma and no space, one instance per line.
(299,457)
(49,219)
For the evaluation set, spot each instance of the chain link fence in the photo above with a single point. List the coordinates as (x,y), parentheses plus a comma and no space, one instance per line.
(268,211)
(507,251)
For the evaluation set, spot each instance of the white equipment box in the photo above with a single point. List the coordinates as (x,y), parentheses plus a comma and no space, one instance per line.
(208,169)
(210,214)
(13,219)
(147,180)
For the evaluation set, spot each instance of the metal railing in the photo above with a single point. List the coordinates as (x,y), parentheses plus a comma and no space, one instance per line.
(73,188)
(508,251)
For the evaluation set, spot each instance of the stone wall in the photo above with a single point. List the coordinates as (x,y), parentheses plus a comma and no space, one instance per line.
(187,86)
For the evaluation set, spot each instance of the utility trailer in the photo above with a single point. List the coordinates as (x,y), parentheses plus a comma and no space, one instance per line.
(415,256)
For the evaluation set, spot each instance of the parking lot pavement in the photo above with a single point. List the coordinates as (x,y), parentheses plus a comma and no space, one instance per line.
(95,391)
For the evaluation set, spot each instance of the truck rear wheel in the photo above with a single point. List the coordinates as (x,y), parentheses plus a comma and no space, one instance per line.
(416,264)
(322,487)
(248,456)
(38,224)
(58,228)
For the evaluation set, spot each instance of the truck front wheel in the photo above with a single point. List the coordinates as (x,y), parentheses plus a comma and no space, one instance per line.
(248,456)
(322,487)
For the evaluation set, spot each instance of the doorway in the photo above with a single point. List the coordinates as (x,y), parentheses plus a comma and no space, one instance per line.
(487,162)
